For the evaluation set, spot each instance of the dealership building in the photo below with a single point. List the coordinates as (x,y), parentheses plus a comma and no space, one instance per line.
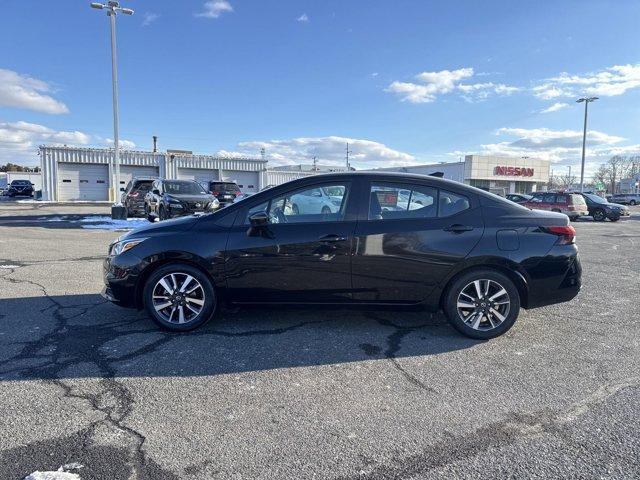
(86,174)
(496,174)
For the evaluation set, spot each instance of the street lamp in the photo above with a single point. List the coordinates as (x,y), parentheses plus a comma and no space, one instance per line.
(586,101)
(113,8)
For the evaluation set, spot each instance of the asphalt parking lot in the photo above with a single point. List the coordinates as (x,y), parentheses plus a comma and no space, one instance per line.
(290,393)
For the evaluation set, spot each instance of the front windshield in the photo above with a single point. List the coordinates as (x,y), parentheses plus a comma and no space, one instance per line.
(183,188)
(595,198)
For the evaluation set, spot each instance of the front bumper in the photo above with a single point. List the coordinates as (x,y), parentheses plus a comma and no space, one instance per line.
(121,275)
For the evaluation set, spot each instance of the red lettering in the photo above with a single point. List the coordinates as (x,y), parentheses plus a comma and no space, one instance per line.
(514,171)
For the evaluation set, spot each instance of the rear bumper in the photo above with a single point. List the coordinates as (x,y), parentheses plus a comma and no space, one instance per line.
(556,279)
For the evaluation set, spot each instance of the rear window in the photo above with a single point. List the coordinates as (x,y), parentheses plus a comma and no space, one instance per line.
(143,186)
(225,187)
(577,200)
(21,182)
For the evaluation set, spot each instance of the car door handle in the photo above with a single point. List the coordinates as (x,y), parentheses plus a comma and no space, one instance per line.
(457,228)
(333,238)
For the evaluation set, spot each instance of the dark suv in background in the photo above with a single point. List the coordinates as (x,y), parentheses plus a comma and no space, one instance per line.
(20,188)
(176,198)
(600,209)
(225,192)
(134,193)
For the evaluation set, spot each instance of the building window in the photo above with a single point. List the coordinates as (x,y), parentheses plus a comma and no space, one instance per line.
(483,184)
(84,181)
(100,181)
(66,181)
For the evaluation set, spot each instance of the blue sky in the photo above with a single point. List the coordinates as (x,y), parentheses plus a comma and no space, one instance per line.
(405,81)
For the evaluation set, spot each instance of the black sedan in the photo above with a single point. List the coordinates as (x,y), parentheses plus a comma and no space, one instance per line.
(394,240)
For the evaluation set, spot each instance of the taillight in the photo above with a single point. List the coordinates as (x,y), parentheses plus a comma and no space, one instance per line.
(238,193)
(566,235)
(133,194)
(215,193)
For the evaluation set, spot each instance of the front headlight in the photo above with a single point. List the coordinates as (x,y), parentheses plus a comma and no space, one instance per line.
(122,246)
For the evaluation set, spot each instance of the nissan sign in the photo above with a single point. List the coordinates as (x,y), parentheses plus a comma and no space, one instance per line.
(514,171)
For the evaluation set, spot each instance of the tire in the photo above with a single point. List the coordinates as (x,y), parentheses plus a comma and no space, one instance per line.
(325,210)
(614,219)
(573,218)
(161,214)
(489,325)
(632,202)
(295,209)
(599,215)
(556,210)
(203,298)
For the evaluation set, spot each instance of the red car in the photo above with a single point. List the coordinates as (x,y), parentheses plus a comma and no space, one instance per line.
(571,204)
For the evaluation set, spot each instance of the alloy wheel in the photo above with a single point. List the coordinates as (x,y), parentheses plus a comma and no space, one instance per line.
(178,298)
(483,304)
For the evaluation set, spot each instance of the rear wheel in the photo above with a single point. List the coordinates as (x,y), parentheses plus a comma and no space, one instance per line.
(326,210)
(556,210)
(295,209)
(614,219)
(599,215)
(482,304)
(179,297)
(632,202)
(161,213)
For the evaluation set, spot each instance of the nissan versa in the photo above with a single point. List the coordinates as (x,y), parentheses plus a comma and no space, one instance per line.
(393,239)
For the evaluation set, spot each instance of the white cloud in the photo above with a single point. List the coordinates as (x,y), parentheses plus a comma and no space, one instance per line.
(609,82)
(555,107)
(431,84)
(148,18)
(328,150)
(215,8)
(22,91)
(19,140)
(554,145)
(124,144)
(304,18)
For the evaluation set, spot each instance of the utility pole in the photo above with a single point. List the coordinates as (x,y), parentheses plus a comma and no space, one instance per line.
(315,163)
(113,8)
(155,144)
(586,101)
(348,152)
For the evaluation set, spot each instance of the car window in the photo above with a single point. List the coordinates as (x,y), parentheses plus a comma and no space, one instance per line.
(577,200)
(537,198)
(143,186)
(451,203)
(549,198)
(183,187)
(388,201)
(307,205)
(562,199)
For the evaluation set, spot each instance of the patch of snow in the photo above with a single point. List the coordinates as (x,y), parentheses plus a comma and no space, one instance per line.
(107,223)
(61,474)
(8,267)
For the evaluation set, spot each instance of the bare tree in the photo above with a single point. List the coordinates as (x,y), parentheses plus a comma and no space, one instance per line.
(566,180)
(601,175)
(618,166)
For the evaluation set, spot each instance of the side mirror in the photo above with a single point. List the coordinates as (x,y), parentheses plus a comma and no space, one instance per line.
(155,191)
(259,220)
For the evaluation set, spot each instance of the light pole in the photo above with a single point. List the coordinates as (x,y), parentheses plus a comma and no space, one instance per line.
(113,8)
(586,101)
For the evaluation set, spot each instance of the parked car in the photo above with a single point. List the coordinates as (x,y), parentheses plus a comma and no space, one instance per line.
(600,209)
(133,197)
(625,198)
(323,200)
(477,256)
(225,192)
(20,188)
(571,204)
(176,198)
(518,197)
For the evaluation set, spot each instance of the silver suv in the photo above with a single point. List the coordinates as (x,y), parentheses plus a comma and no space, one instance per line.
(625,198)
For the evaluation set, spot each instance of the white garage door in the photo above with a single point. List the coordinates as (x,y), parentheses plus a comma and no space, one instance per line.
(201,175)
(247,181)
(80,181)
(127,172)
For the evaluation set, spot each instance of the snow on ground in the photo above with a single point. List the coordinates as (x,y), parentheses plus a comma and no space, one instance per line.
(9,267)
(63,473)
(107,223)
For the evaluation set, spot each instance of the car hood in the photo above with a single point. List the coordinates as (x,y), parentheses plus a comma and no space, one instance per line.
(179,224)
(617,205)
(204,198)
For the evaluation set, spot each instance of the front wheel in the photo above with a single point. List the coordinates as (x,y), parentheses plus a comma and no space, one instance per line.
(326,210)
(632,202)
(614,219)
(179,297)
(599,215)
(482,304)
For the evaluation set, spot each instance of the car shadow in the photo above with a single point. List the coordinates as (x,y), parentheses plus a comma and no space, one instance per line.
(77,336)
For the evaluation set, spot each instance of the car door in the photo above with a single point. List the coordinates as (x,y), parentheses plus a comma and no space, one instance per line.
(402,252)
(298,257)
